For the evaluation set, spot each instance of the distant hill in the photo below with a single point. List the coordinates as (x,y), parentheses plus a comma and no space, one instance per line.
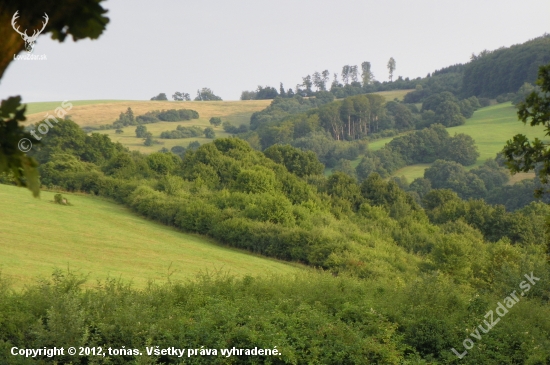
(505,70)
(488,74)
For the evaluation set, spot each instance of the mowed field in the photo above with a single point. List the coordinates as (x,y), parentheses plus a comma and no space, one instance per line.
(103,239)
(490,127)
(394,94)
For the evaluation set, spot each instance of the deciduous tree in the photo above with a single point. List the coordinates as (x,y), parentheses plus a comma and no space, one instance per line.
(522,154)
(345,74)
(307,83)
(141,130)
(205,94)
(209,133)
(216,121)
(161,96)
(181,96)
(391,67)
(366,74)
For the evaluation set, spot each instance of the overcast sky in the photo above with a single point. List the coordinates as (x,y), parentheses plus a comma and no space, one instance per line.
(230,46)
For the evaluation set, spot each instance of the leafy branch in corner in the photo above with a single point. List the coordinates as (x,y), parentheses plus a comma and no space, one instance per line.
(12,159)
(521,154)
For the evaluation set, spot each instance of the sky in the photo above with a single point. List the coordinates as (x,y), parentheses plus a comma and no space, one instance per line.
(230,46)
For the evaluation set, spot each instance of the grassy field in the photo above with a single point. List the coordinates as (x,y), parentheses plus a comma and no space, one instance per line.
(490,127)
(412,172)
(107,240)
(129,139)
(92,113)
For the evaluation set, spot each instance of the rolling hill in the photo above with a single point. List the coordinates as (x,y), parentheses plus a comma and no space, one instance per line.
(103,239)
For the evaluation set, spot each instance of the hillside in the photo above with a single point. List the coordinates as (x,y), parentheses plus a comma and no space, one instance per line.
(490,127)
(104,239)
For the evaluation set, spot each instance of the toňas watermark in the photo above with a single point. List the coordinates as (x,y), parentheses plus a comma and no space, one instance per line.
(25,144)
(500,310)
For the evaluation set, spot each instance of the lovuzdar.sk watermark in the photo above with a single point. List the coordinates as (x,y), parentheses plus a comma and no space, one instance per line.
(30,41)
(501,310)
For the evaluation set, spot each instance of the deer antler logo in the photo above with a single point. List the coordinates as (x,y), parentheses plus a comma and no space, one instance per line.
(29,41)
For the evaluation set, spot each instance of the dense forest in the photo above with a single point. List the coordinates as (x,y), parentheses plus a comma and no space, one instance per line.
(505,70)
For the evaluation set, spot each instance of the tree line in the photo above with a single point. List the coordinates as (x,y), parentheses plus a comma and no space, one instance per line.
(188,132)
(204,94)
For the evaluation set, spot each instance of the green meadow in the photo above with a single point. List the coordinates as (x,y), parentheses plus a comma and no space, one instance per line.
(103,239)
(490,127)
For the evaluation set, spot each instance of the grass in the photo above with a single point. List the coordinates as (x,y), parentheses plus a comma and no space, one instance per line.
(520,176)
(129,139)
(107,240)
(491,127)
(412,172)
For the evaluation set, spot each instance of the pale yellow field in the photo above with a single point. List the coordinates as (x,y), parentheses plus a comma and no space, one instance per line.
(94,115)
(520,176)
(393,94)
